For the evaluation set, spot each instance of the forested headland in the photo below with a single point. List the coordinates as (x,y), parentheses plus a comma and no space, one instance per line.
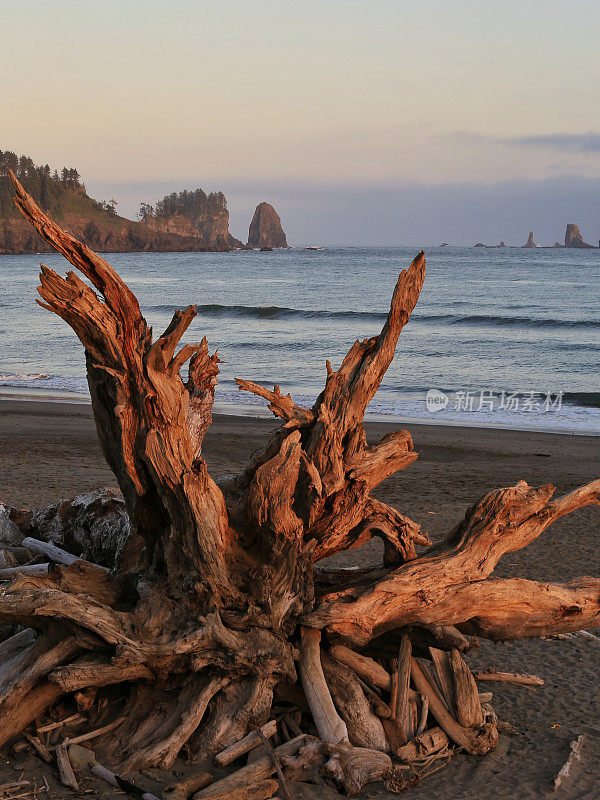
(184,221)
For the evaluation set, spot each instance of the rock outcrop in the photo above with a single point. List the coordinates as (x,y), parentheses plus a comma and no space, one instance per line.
(530,242)
(573,238)
(212,231)
(265,228)
(117,235)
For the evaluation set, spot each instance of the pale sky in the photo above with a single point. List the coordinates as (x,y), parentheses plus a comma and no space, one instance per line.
(261,98)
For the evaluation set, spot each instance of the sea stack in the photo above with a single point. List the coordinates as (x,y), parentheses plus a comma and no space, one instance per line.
(573,238)
(265,228)
(530,242)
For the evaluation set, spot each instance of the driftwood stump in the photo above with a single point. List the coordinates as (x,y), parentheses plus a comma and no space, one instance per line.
(215,603)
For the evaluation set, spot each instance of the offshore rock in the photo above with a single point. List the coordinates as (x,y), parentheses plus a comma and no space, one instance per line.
(530,242)
(573,237)
(265,228)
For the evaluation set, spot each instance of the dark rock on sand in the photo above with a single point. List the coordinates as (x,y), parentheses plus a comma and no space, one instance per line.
(93,525)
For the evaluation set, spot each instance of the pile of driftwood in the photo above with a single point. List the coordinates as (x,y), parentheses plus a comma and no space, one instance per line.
(351,719)
(397,724)
(218,602)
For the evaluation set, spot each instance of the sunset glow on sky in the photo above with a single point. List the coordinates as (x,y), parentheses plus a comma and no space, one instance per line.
(268,95)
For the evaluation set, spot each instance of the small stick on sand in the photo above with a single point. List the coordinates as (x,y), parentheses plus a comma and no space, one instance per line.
(74,719)
(276,763)
(101,772)
(5,787)
(98,732)
(574,755)
(588,635)
(25,569)
(54,553)
(508,677)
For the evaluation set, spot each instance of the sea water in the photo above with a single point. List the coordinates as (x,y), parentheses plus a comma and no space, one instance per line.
(503,337)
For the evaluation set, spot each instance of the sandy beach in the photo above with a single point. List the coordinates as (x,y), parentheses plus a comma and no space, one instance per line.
(49,451)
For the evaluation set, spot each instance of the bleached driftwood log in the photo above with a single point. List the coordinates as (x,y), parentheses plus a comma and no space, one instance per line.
(212,600)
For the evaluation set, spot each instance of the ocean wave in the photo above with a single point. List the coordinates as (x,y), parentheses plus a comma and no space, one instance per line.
(409,402)
(23,377)
(44,381)
(285,312)
(582,399)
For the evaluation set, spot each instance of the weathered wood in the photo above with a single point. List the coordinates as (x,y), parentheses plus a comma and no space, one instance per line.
(468,705)
(39,747)
(74,719)
(452,585)
(366,668)
(23,569)
(52,552)
(423,745)
(182,790)
(351,768)
(363,726)
(442,673)
(492,674)
(382,709)
(255,791)
(243,746)
(576,747)
(283,788)
(87,737)
(402,716)
(429,671)
(120,783)
(475,742)
(307,764)
(259,770)
(423,713)
(65,770)
(330,725)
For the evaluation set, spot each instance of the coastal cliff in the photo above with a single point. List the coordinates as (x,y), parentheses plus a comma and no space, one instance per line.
(192,214)
(191,228)
(265,228)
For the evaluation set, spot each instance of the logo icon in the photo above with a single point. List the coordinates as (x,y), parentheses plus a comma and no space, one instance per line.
(436,401)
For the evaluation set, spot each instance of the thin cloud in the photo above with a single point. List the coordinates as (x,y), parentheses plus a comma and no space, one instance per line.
(577,142)
(571,142)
